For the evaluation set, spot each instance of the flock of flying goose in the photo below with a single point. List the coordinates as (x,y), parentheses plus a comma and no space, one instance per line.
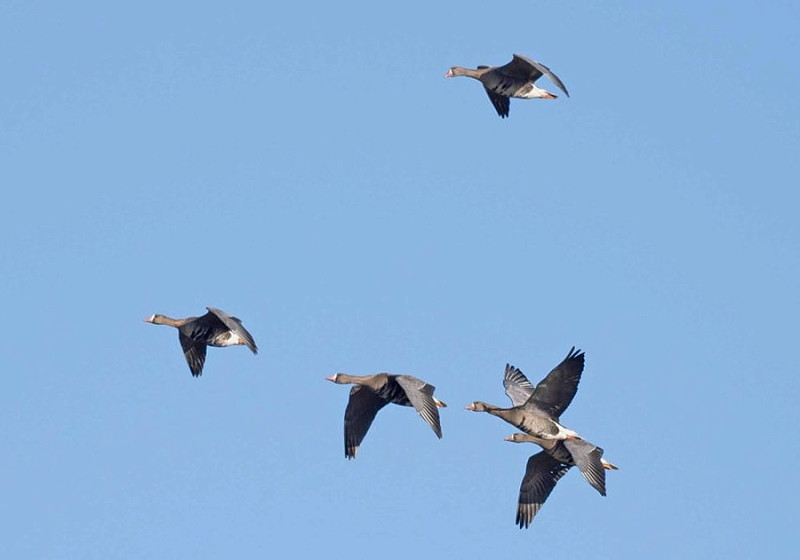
(535,410)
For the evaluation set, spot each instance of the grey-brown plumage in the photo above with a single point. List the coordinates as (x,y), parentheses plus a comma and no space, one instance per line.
(538,413)
(215,328)
(554,394)
(515,79)
(526,418)
(370,393)
(548,399)
(541,474)
(574,452)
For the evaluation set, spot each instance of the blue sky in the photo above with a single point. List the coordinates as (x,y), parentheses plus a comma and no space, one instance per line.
(308,168)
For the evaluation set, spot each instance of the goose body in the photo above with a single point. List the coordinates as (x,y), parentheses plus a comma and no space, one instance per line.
(370,393)
(515,79)
(528,419)
(555,393)
(536,410)
(544,469)
(539,479)
(549,398)
(572,453)
(215,328)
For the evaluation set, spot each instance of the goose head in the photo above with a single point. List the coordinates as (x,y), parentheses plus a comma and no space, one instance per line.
(479,406)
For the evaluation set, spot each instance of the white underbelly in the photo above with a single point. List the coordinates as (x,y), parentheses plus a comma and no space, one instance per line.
(228,339)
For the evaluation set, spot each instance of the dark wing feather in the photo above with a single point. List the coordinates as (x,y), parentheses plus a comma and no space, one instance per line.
(554,393)
(361,409)
(520,68)
(204,328)
(501,102)
(587,458)
(234,324)
(536,70)
(541,474)
(421,396)
(517,386)
(195,353)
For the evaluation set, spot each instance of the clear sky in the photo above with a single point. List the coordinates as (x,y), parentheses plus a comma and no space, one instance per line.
(307,167)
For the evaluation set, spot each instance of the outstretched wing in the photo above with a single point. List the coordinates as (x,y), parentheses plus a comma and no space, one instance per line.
(534,70)
(361,409)
(421,396)
(234,324)
(541,475)
(519,69)
(501,102)
(517,386)
(554,393)
(195,353)
(587,458)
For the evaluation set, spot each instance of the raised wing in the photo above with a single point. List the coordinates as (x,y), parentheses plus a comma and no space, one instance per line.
(234,324)
(541,474)
(517,386)
(361,409)
(520,68)
(195,353)
(535,69)
(554,393)
(421,396)
(587,458)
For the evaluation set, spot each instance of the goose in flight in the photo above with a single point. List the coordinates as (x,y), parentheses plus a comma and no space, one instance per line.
(215,328)
(515,79)
(536,411)
(370,393)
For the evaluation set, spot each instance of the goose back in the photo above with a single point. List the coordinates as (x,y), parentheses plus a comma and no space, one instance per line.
(391,391)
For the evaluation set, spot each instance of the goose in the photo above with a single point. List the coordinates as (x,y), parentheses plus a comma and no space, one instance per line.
(536,411)
(545,468)
(215,328)
(559,388)
(550,397)
(574,452)
(528,419)
(515,79)
(541,474)
(370,393)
